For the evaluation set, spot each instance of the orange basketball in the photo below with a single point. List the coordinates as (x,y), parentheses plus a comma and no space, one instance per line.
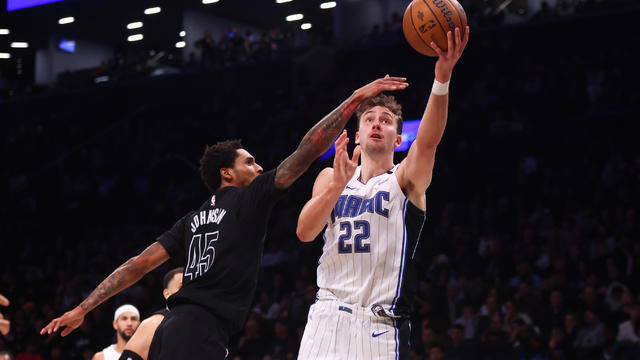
(429,20)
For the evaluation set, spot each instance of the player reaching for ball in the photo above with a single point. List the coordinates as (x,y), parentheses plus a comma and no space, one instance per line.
(220,243)
(373,215)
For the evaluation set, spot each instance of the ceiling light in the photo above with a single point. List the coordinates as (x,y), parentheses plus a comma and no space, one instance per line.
(135,37)
(5,55)
(180,44)
(209,1)
(183,33)
(328,5)
(4,31)
(19,45)
(134,25)
(153,10)
(305,26)
(66,20)
(283,1)
(295,17)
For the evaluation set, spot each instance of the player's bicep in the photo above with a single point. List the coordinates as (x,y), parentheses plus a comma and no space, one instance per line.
(416,169)
(153,256)
(322,182)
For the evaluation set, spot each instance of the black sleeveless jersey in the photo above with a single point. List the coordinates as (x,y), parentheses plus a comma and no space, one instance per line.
(221,247)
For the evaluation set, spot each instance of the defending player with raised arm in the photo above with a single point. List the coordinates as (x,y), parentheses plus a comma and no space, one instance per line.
(221,242)
(373,215)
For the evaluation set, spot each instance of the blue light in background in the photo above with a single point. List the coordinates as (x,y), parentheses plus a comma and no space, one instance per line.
(67,45)
(21,4)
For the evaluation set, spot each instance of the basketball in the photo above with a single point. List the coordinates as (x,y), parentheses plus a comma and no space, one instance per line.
(429,20)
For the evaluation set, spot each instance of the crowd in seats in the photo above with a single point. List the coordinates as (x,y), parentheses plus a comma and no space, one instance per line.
(530,249)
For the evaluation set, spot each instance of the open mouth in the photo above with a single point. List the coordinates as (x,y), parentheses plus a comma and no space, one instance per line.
(376,136)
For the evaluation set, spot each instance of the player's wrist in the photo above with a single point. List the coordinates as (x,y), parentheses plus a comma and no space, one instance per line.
(439,87)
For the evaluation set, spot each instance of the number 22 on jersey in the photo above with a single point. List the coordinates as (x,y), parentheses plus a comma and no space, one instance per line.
(354,237)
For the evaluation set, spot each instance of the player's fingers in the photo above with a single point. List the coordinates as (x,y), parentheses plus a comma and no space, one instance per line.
(3,300)
(386,76)
(340,138)
(465,38)
(356,154)
(436,48)
(396,78)
(458,40)
(450,43)
(66,331)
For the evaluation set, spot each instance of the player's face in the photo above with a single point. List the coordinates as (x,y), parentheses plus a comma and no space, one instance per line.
(378,130)
(245,169)
(126,324)
(174,285)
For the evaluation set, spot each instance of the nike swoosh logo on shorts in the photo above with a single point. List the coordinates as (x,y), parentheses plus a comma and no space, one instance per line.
(373,334)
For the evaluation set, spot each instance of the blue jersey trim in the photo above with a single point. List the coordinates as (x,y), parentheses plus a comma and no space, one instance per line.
(395,338)
(401,275)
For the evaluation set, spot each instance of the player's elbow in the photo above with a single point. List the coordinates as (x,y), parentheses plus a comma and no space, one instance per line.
(303,235)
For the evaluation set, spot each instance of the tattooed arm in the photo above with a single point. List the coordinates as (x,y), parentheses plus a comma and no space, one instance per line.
(123,277)
(321,135)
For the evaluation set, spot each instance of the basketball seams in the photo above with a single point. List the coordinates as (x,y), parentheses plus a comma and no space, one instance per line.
(416,29)
(462,23)
(435,16)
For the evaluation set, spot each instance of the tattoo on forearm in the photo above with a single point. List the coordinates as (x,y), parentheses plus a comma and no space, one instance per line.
(124,276)
(314,143)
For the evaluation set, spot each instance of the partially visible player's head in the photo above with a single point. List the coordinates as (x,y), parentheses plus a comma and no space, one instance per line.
(172,282)
(227,163)
(125,321)
(379,124)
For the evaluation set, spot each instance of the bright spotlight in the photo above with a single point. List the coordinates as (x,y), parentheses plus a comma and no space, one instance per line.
(328,5)
(135,37)
(209,1)
(134,25)
(180,44)
(5,55)
(153,10)
(295,17)
(183,33)
(283,1)
(66,20)
(305,26)
(19,45)
(4,31)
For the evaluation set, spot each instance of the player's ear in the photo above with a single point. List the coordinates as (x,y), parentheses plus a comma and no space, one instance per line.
(165,293)
(115,325)
(357,138)
(398,140)
(226,174)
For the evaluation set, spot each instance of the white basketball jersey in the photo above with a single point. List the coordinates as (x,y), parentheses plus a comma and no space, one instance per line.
(110,353)
(370,239)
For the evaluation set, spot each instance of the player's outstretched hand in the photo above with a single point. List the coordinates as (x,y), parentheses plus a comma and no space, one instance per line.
(71,320)
(387,83)
(3,301)
(448,59)
(343,167)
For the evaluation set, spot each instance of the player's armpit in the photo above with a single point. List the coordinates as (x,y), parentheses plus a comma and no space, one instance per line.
(98,356)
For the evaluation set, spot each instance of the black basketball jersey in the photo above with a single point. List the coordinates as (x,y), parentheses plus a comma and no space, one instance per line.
(221,245)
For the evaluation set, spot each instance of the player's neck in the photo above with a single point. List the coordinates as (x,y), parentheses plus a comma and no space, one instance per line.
(120,344)
(374,166)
